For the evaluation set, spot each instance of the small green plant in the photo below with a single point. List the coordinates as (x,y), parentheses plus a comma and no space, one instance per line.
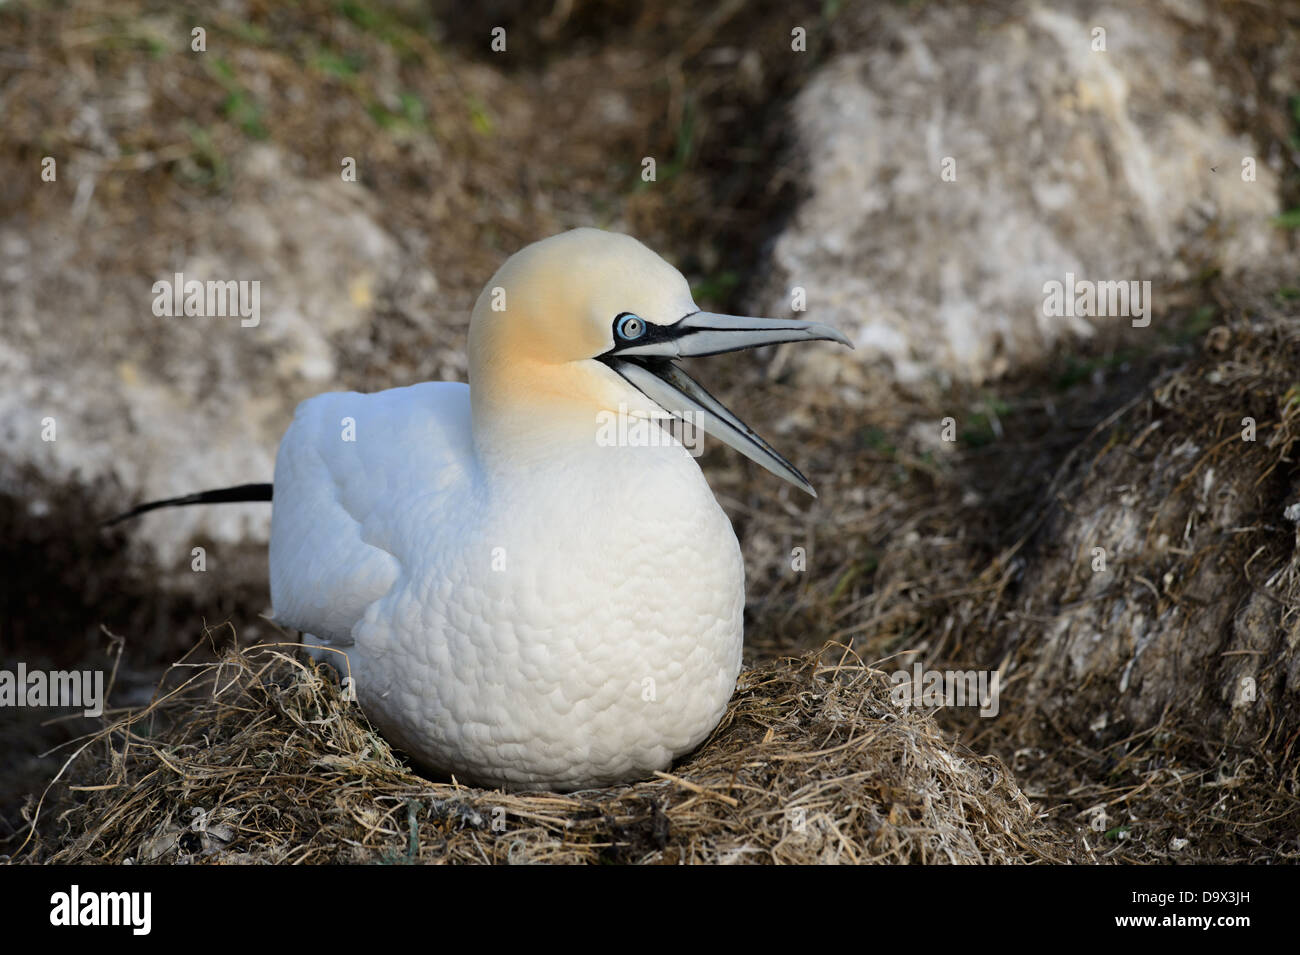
(715,290)
(341,65)
(412,854)
(1289,219)
(204,166)
(406,119)
(239,106)
(479,117)
(985,422)
(877,440)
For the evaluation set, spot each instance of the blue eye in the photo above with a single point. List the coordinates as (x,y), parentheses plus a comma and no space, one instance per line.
(629,327)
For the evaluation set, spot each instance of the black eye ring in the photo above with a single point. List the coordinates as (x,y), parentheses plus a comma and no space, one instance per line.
(629,327)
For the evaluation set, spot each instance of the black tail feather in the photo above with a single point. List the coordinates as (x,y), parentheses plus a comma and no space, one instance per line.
(225,495)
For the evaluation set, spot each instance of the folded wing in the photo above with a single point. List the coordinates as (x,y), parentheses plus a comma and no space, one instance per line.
(348,475)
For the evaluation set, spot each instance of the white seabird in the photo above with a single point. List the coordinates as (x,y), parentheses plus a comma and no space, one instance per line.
(524,602)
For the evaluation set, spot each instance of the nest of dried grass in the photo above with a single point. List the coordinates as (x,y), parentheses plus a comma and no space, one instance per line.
(257,757)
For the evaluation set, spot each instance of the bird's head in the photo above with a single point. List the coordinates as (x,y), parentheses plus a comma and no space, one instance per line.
(590,321)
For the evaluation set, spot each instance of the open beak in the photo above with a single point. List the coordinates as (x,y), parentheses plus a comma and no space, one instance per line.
(647,364)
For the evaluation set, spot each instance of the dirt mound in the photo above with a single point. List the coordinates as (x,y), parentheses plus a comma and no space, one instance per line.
(1166,576)
(1146,626)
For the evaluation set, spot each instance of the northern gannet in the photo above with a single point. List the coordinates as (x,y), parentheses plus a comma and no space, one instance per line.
(522,603)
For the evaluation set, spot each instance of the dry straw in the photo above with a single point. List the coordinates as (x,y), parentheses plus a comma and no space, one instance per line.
(258,758)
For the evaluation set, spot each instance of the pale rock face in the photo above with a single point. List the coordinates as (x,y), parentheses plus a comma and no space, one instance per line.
(168,405)
(1115,165)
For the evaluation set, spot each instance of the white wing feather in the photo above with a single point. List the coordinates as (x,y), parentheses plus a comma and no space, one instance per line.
(346,471)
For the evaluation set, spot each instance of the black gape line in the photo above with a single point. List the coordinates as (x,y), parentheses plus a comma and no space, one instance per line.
(225,495)
(631,329)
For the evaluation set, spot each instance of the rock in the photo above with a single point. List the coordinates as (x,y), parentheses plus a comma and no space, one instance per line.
(1111,165)
(165,405)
